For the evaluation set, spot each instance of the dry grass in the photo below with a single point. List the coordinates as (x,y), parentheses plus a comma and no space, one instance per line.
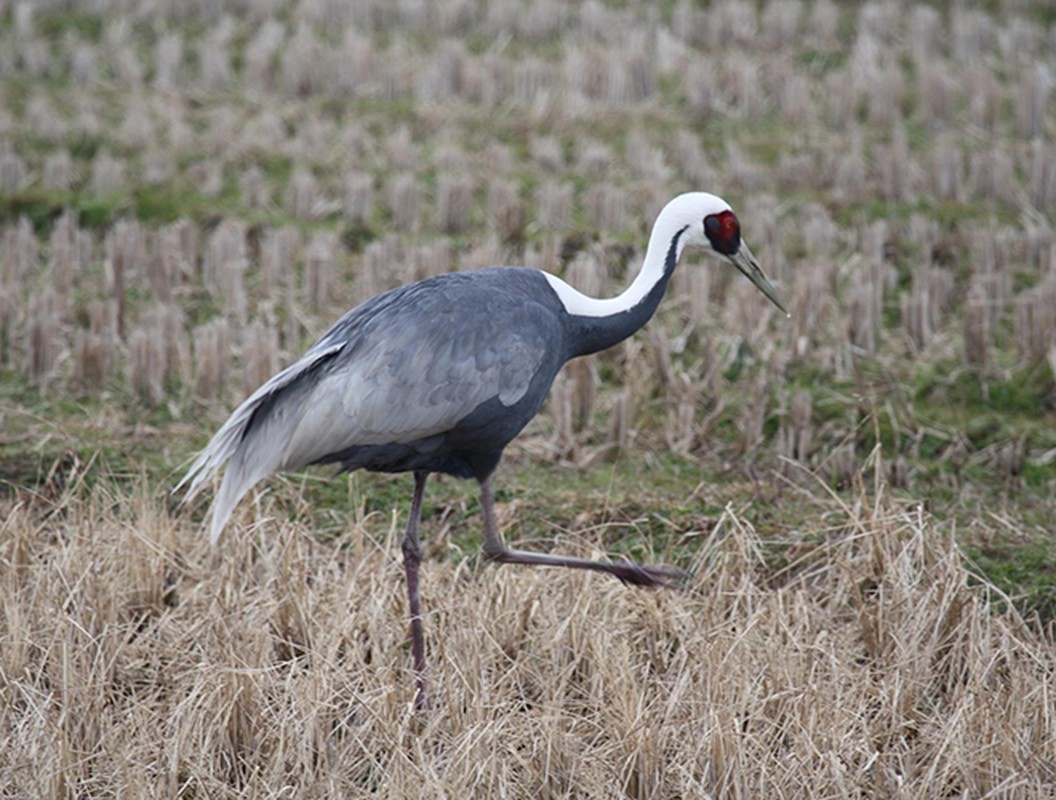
(135,662)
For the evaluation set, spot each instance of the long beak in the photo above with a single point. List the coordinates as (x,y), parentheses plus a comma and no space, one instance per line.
(746,263)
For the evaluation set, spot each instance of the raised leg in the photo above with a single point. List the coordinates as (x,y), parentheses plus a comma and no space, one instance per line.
(628,572)
(412,559)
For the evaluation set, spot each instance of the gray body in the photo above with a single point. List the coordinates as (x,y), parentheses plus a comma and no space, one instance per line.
(446,371)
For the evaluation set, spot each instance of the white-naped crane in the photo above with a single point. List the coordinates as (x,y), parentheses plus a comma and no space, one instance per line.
(440,375)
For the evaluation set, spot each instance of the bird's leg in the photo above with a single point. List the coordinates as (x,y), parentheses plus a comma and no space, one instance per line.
(412,559)
(628,572)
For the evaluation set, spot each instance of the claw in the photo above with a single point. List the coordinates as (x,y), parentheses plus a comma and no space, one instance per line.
(657,575)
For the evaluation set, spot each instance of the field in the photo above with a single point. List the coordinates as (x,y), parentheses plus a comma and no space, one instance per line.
(190,192)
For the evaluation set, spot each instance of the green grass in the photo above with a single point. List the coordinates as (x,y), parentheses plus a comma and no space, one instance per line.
(54,26)
(1025,571)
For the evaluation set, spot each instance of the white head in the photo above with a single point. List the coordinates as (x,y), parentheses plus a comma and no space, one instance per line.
(708,222)
(696,218)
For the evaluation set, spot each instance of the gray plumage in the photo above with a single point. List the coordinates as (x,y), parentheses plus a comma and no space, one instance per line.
(387,387)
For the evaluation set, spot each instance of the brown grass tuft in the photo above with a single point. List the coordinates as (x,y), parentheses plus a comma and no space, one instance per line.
(91,361)
(302,195)
(108,174)
(454,201)
(43,340)
(260,355)
(402,197)
(1035,88)
(505,210)
(319,257)
(211,358)
(279,249)
(1034,320)
(977,336)
(58,171)
(255,192)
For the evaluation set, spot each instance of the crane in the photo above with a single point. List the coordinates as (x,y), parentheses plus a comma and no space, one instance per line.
(438,376)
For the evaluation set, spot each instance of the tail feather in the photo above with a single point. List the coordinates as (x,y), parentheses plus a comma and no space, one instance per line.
(250,453)
(236,483)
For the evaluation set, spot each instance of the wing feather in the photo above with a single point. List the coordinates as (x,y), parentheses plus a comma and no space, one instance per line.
(402,368)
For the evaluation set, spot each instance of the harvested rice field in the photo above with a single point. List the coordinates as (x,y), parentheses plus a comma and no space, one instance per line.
(864,493)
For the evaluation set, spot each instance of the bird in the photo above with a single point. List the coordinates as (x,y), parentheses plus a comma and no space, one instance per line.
(439,376)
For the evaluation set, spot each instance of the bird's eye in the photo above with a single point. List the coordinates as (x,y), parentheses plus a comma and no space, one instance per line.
(723,231)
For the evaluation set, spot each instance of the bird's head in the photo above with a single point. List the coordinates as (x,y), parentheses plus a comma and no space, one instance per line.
(713,226)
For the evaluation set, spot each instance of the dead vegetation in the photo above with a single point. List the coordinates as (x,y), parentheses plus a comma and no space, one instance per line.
(138,662)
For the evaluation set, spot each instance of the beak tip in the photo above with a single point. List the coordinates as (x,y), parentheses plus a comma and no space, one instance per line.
(745,261)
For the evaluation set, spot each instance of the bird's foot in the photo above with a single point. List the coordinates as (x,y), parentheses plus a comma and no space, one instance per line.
(649,574)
